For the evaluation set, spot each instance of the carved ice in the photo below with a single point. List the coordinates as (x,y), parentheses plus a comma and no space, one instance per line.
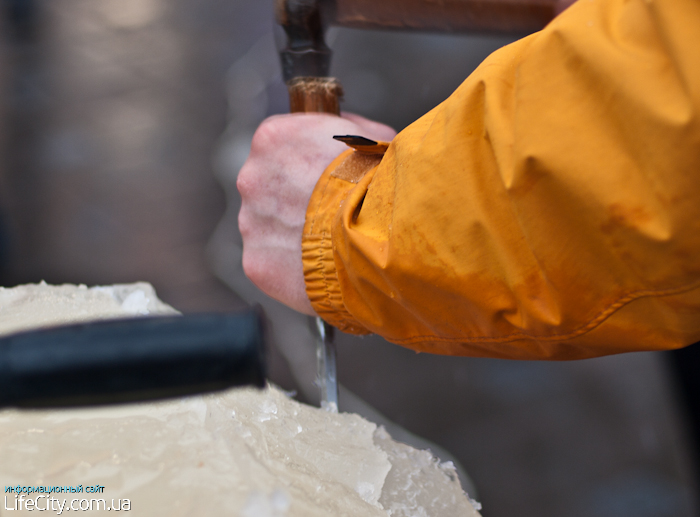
(276,458)
(43,305)
(243,453)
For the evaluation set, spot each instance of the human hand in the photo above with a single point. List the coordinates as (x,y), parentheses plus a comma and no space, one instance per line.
(287,157)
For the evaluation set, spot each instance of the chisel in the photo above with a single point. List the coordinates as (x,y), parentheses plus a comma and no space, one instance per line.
(305,69)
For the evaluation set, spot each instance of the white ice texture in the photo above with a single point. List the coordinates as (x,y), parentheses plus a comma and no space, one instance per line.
(246,452)
(42,305)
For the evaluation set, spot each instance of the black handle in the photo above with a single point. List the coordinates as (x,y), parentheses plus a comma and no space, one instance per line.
(117,361)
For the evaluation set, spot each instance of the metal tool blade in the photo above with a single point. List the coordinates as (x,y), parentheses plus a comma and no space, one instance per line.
(325,360)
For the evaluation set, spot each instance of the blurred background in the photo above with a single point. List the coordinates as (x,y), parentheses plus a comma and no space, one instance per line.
(124,123)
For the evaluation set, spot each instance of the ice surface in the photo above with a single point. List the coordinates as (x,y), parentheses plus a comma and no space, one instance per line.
(42,305)
(246,453)
(418,485)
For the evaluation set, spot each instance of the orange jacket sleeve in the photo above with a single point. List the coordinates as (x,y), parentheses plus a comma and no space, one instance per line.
(549,209)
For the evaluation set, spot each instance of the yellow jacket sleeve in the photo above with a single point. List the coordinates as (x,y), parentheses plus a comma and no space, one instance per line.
(549,209)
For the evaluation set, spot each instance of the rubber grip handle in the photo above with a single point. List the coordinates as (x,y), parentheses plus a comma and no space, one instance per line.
(118,361)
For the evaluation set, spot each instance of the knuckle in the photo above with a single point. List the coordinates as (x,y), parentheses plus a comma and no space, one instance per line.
(251,268)
(268,135)
(247,266)
(251,180)
(244,223)
(243,182)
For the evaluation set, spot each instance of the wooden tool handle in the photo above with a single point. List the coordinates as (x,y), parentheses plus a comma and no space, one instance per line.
(509,16)
(315,95)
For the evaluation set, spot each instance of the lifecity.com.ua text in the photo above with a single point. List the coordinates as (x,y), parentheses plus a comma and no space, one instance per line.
(45,499)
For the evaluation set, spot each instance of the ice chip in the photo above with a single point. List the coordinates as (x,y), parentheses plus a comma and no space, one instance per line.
(331,407)
(136,303)
(366,491)
(475,504)
(268,410)
(419,485)
(268,407)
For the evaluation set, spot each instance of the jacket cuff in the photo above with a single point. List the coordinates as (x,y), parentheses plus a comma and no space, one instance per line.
(320,272)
